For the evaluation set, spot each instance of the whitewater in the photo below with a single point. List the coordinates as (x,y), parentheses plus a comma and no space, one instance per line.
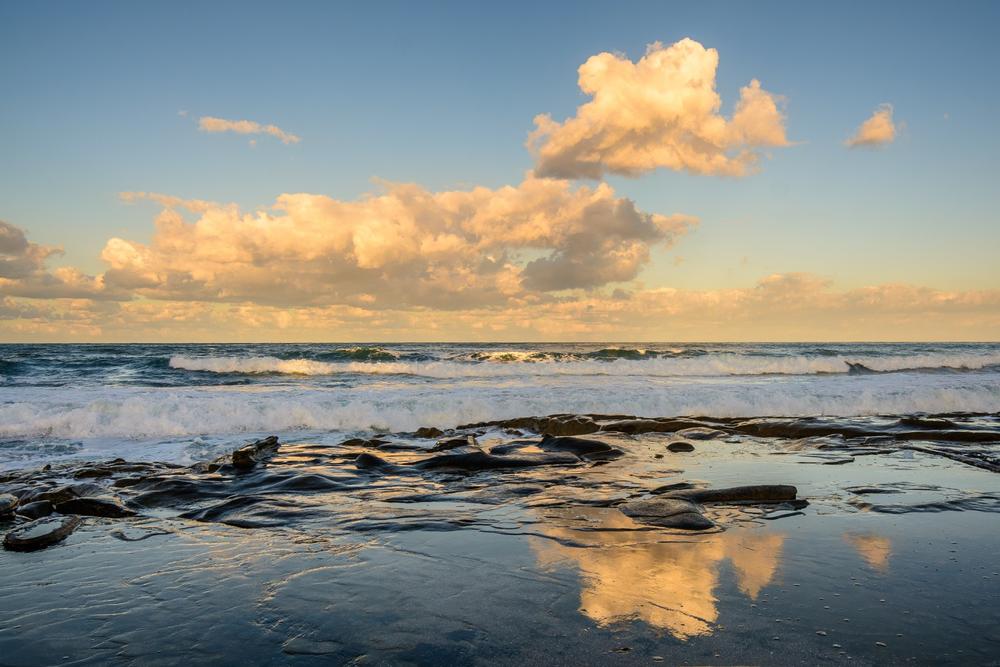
(185,402)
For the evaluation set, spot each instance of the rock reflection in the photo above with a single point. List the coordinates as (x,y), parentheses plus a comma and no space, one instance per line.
(874,549)
(630,574)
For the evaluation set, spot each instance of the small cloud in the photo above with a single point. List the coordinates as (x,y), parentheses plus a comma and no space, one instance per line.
(253,143)
(213,124)
(879,130)
(182,113)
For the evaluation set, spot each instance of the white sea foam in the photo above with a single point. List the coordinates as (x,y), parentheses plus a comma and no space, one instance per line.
(133,413)
(505,364)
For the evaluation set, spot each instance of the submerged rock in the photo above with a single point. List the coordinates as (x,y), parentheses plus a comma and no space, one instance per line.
(680,447)
(250,455)
(428,432)
(667,513)
(40,533)
(583,447)
(761,493)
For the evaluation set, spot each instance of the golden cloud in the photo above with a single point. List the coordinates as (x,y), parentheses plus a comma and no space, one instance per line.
(213,124)
(662,111)
(407,247)
(878,130)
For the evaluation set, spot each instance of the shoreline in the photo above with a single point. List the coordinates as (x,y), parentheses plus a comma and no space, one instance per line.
(310,551)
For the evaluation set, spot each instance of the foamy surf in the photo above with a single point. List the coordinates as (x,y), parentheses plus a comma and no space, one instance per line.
(510,364)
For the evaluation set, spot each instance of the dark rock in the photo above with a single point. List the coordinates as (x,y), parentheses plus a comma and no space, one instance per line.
(699,433)
(250,455)
(636,426)
(667,513)
(106,507)
(480,460)
(40,533)
(35,510)
(513,446)
(69,492)
(364,442)
(572,426)
(8,503)
(763,493)
(366,461)
(428,432)
(680,447)
(583,447)
(676,486)
(454,443)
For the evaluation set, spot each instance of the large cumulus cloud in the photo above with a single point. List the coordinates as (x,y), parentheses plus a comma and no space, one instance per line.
(662,111)
(405,247)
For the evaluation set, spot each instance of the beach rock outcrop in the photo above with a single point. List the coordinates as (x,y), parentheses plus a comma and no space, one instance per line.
(667,513)
(428,432)
(566,426)
(250,455)
(40,533)
(680,447)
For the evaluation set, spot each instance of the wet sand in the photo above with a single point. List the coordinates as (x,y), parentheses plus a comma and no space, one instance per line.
(314,556)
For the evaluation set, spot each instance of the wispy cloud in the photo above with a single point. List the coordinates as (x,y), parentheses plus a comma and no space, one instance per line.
(659,112)
(878,130)
(213,124)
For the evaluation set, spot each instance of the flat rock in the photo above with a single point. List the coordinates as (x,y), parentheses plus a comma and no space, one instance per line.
(667,513)
(761,493)
(36,509)
(95,506)
(480,460)
(582,447)
(701,433)
(636,426)
(70,492)
(40,533)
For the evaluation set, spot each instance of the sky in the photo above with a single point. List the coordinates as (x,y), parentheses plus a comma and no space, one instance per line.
(518,171)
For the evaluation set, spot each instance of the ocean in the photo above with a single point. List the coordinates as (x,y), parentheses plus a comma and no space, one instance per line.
(183,403)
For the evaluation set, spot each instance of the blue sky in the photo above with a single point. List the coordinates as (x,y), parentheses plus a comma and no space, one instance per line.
(443,94)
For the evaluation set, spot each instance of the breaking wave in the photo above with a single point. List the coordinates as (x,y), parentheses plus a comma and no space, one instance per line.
(611,362)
